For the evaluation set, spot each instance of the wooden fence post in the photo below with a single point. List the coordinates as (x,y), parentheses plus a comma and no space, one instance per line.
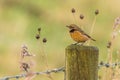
(81,62)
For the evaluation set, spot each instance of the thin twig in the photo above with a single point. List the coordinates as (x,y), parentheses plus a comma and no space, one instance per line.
(92,28)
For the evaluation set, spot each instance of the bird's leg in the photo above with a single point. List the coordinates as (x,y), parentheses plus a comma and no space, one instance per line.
(76,43)
(82,44)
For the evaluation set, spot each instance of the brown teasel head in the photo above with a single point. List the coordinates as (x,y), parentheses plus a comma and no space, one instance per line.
(81,16)
(73,10)
(44,40)
(109,44)
(96,12)
(39,29)
(37,36)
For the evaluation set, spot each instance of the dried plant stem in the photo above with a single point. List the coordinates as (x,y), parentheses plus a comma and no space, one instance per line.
(104,76)
(110,54)
(46,61)
(44,55)
(109,70)
(93,25)
(92,28)
(81,24)
(110,49)
(74,18)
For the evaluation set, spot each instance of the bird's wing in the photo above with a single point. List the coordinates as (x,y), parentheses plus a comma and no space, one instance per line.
(82,32)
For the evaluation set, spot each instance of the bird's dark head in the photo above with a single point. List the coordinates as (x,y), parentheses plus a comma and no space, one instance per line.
(72,26)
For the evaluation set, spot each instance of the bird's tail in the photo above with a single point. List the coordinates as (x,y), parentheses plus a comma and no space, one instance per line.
(93,39)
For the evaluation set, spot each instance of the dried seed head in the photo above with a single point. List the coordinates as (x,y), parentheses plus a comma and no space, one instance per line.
(25,66)
(117,20)
(73,10)
(37,36)
(39,29)
(24,47)
(109,44)
(101,63)
(44,40)
(116,23)
(96,12)
(81,16)
(25,52)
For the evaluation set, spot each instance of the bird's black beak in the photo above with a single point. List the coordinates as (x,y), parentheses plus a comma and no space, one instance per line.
(67,26)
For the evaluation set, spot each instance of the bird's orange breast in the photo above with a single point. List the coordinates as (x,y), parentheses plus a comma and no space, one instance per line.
(78,37)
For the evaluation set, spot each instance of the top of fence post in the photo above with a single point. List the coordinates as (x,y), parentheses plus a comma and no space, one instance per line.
(81,62)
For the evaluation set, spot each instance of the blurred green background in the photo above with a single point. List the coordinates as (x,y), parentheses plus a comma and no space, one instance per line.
(19,20)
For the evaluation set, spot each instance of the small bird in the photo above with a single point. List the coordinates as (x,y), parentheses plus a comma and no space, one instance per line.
(78,35)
